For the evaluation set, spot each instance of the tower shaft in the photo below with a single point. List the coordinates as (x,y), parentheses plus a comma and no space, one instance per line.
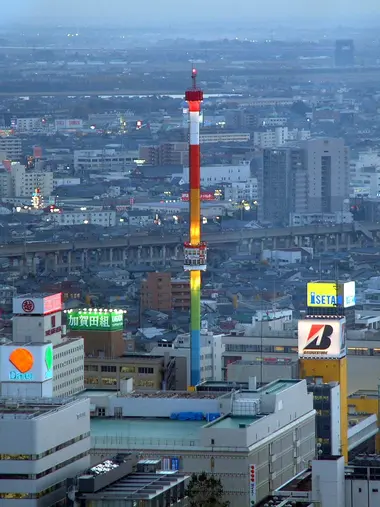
(195,252)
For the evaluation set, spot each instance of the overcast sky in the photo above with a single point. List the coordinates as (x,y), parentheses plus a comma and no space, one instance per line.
(130,12)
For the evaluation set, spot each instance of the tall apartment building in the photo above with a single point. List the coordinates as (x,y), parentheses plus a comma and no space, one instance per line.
(29,124)
(270,138)
(12,147)
(309,176)
(103,160)
(165,154)
(20,182)
(45,441)
(161,292)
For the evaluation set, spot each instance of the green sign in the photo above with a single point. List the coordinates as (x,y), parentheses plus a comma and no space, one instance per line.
(88,320)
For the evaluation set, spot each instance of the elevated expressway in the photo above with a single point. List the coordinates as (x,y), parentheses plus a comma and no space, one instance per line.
(158,250)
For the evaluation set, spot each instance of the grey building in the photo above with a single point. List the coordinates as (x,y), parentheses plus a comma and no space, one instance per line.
(310,176)
(43,442)
(272,427)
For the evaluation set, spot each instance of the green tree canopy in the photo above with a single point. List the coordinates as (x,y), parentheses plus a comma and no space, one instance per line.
(205,491)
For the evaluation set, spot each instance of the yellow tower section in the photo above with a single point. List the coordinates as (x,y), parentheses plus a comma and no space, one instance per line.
(331,370)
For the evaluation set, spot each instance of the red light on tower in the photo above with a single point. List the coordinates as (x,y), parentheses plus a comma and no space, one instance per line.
(252,473)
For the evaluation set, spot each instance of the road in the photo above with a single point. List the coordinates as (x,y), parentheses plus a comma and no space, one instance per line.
(213,240)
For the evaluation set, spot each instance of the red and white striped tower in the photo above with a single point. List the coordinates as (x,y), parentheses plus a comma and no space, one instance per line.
(195,252)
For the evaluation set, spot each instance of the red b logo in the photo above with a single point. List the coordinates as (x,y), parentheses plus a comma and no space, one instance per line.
(27,306)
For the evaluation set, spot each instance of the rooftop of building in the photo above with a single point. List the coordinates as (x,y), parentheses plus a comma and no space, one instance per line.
(235,422)
(139,486)
(365,393)
(13,408)
(171,394)
(140,432)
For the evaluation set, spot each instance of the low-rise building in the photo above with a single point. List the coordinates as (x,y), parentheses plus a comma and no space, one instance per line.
(105,218)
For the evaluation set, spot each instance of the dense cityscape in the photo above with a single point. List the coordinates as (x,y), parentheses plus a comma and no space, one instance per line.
(189,267)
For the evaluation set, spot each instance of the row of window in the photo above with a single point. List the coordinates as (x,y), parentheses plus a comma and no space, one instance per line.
(28,496)
(142,370)
(357,351)
(48,471)
(34,457)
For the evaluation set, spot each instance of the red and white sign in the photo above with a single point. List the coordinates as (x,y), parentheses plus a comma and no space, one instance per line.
(252,484)
(40,305)
(205,196)
(27,305)
(322,338)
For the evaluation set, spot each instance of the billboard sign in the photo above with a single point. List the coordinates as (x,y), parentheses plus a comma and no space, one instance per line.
(37,305)
(252,485)
(26,363)
(330,294)
(349,294)
(95,320)
(322,338)
(205,196)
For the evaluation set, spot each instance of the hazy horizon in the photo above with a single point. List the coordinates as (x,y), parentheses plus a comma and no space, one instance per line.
(166,12)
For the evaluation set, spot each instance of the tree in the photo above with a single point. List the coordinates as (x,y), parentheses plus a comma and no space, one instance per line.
(205,491)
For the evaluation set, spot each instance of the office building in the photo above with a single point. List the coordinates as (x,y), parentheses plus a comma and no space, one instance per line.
(162,293)
(266,138)
(271,428)
(105,218)
(29,124)
(101,329)
(44,442)
(213,174)
(344,53)
(245,191)
(149,372)
(322,342)
(37,328)
(309,176)
(165,154)
(103,160)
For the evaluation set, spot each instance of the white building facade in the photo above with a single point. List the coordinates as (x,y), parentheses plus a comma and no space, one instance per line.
(47,441)
(214,174)
(105,218)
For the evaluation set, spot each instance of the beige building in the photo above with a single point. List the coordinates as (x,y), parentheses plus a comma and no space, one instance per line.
(20,182)
(148,372)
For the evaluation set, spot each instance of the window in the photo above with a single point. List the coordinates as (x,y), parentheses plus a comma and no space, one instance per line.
(127,369)
(108,369)
(146,370)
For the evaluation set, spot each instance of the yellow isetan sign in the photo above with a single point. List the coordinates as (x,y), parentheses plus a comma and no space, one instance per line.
(323,295)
